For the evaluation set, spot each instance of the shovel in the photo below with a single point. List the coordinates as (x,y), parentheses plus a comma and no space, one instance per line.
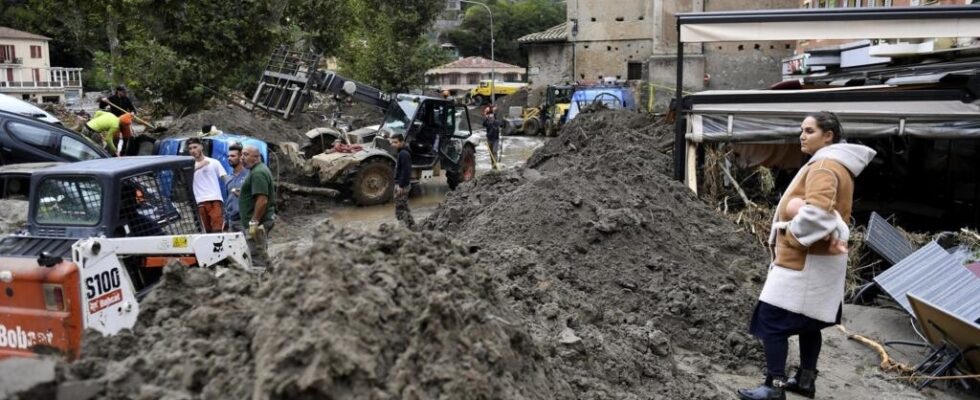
(153,128)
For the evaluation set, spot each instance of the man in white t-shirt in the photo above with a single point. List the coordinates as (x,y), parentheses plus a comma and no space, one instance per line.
(208,174)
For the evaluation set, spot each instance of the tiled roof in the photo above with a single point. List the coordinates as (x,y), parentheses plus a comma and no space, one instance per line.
(476,62)
(554,34)
(10,33)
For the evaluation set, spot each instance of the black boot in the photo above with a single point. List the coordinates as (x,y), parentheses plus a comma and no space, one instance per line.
(803,383)
(772,389)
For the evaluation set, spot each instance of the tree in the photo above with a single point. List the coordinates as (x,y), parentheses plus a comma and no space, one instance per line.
(511,21)
(167,49)
(387,49)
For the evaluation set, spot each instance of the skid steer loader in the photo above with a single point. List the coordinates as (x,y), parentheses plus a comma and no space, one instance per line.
(99,233)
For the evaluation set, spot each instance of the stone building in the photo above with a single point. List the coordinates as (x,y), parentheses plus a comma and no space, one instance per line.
(637,40)
(26,72)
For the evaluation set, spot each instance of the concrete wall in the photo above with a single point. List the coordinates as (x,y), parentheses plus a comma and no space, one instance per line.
(746,65)
(605,20)
(609,58)
(551,63)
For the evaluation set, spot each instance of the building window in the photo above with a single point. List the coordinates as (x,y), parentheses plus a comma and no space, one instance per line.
(634,71)
(37,75)
(510,77)
(7,53)
(454,79)
(473,78)
(35,51)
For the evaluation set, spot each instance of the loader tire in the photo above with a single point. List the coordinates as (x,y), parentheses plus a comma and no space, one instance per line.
(531,127)
(466,170)
(373,183)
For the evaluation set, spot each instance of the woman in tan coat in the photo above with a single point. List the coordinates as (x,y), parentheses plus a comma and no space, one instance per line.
(804,289)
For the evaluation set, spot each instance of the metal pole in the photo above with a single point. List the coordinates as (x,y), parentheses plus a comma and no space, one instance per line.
(493,78)
(679,139)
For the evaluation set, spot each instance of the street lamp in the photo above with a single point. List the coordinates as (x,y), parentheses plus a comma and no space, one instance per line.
(493,78)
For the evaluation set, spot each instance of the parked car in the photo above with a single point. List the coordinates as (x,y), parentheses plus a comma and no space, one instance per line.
(18,106)
(15,179)
(26,139)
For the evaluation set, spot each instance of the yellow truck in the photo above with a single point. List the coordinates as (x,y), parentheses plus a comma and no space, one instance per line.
(481,93)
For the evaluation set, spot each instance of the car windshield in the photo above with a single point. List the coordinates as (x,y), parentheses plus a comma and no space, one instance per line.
(399,116)
(71,200)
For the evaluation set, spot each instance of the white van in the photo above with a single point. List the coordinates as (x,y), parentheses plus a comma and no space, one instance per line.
(18,106)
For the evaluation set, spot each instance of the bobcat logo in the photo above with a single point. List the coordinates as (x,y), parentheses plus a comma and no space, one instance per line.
(219,246)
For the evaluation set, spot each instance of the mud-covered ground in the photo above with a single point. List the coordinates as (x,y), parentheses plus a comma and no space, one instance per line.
(585,274)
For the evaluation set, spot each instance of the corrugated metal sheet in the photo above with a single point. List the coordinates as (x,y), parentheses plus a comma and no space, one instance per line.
(887,241)
(937,276)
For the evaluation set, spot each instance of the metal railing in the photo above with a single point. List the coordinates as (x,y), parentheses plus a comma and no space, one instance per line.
(15,60)
(41,84)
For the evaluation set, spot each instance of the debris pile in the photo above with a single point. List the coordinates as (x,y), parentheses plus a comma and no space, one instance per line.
(621,272)
(13,216)
(261,125)
(357,315)
(589,274)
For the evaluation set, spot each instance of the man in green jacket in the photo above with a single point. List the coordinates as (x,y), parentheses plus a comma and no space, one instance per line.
(257,203)
(105,129)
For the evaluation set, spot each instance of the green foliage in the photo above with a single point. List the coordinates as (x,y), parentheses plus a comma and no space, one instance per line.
(386,49)
(166,50)
(511,20)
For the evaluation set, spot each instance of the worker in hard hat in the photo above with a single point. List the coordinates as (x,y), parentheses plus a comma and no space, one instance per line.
(110,131)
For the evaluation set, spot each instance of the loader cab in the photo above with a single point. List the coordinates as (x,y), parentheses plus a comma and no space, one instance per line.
(429,125)
(117,197)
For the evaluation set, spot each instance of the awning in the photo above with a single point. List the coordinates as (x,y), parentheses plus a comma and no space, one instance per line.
(812,24)
(780,121)
(841,23)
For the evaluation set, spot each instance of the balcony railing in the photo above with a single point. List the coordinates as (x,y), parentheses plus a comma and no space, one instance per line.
(40,85)
(15,60)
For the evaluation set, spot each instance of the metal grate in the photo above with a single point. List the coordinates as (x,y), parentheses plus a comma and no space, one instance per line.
(937,276)
(284,87)
(156,204)
(887,241)
(69,200)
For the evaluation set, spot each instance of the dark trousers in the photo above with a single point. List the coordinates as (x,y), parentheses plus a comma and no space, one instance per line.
(777,349)
(494,149)
(402,213)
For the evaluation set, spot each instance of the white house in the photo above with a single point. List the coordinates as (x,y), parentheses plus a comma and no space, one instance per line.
(26,71)
(466,73)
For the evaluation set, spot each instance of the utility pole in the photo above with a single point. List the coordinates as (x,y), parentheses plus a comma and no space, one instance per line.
(493,74)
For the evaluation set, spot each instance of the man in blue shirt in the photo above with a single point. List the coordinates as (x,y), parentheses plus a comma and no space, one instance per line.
(403,180)
(234,181)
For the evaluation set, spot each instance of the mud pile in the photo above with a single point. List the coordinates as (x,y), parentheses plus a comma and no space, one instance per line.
(358,315)
(13,216)
(632,284)
(232,119)
(261,125)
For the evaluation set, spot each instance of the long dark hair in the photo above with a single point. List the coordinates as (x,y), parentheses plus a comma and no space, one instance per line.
(828,121)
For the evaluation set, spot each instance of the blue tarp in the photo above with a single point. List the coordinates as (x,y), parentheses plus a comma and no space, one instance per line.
(219,149)
(612,97)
